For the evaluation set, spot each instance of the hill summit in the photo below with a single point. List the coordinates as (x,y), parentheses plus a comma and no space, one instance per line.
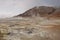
(41,11)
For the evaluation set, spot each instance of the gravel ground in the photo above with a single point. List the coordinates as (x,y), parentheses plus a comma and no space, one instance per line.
(29,29)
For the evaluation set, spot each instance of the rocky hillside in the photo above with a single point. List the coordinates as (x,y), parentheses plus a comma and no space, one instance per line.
(41,11)
(34,27)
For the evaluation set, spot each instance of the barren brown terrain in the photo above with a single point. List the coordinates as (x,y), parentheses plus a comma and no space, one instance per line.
(38,23)
(29,29)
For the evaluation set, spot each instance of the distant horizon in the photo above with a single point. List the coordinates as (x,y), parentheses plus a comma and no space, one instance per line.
(26,10)
(10,8)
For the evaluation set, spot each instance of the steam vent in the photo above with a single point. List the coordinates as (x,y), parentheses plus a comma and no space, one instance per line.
(38,23)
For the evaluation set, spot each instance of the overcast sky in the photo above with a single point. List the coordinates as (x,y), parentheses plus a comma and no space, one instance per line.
(10,8)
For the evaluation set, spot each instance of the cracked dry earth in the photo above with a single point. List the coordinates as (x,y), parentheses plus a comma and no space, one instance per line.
(29,29)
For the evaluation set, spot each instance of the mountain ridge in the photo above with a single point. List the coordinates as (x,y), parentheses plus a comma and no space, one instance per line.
(41,11)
